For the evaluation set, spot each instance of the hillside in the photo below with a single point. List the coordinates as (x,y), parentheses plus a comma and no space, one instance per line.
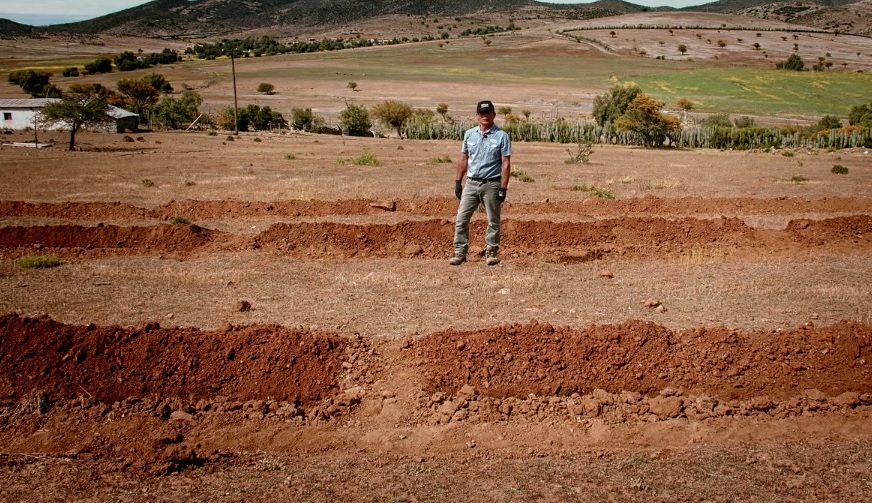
(836,15)
(213,18)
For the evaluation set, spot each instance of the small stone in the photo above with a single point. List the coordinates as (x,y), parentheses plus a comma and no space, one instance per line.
(660,308)
(651,302)
(605,273)
(384,205)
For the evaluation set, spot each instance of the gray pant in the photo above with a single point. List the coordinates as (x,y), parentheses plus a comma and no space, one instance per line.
(475,193)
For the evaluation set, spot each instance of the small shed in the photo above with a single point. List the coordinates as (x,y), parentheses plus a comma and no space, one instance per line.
(20,113)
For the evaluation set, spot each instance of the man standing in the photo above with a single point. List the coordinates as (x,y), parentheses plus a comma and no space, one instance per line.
(485,159)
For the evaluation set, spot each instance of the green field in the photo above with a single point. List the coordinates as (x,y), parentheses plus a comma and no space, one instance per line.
(762,91)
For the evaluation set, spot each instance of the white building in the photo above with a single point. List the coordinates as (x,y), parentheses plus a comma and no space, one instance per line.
(20,113)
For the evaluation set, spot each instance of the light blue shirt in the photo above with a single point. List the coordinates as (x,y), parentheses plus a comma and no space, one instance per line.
(486,151)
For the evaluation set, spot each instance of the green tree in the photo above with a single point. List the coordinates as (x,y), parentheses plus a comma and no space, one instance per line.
(99,65)
(81,106)
(392,114)
(355,120)
(266,88)
(172,112)
(304,120)
(643,116)
(860,115)
(608,107)
(794,62)
(35,82)
(682,48)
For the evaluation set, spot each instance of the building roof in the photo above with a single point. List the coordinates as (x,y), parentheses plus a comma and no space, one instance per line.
(25,102)
(7,103)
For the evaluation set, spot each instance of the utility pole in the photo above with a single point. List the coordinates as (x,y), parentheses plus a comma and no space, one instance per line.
(235,104)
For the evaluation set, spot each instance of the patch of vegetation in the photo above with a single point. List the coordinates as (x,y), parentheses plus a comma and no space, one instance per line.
(230,138)
(127,138)
(788,153)
(257,139)
(38,262)
(581,155)
(188,181)
(522,176)
(179,220)
(290,157)
(441,160)
(212,132)
(147,182)
(366,159)
(594,191)
(798,179)
(838,169)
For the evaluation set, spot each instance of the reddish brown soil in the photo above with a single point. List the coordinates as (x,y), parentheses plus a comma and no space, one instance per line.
(657,347)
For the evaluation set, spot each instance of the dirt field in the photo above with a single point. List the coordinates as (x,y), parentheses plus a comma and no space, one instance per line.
(704,336)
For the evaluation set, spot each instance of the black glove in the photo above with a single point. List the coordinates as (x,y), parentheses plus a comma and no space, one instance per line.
(458,188)
(501,195)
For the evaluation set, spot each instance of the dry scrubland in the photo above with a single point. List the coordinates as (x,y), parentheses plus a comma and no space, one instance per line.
(705,335)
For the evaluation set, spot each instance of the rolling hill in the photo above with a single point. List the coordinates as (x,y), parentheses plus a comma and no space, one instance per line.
(301,18)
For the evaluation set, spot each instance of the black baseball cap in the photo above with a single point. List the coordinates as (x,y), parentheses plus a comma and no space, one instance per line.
(484,107)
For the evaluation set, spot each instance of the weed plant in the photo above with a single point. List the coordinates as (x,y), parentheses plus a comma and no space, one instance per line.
(366,159)
(522,176)
(38,262)
(838,169)
(594,191)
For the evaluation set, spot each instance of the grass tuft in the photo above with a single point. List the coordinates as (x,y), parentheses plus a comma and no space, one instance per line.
(290,157)
(147,182)
(838,169)
(38,262)
(594,191)
(366,159)
(522,176)
(798,179)
(179,220)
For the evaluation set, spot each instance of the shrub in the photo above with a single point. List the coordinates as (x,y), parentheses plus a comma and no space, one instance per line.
(798,179)
(127,138)
(179,220)
(522,176)
(266,88)
(230,137)
(581,155)
(38,262)
(147,182)
(441,160)
(794,62)
(744,122)
(838,169)
(594,191)
(290,157)
(366,159)
(257,139)
(355,120)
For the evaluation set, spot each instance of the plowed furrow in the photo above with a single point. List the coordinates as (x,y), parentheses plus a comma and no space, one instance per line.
(626,237)
(434,207)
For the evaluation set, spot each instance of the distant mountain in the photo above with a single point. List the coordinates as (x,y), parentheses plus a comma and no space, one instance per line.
(223,18)
(12,29)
